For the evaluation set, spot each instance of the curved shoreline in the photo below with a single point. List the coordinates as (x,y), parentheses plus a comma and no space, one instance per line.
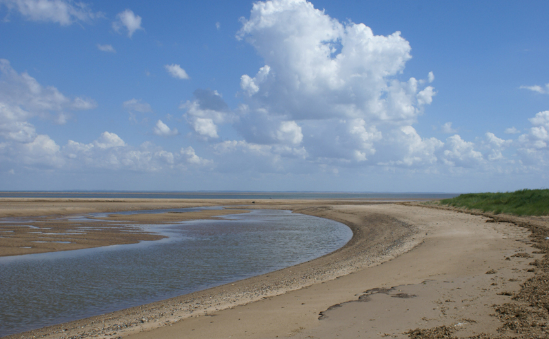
(376,238)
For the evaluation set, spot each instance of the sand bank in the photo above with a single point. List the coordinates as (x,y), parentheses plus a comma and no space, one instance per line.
(433,274)
(49,225)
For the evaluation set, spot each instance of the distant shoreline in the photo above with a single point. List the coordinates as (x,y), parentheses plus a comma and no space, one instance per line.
(228,195)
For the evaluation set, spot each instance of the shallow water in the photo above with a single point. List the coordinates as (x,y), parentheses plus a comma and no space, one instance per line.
(229,195)
(44,289)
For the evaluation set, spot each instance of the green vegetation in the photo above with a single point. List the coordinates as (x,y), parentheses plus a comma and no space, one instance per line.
(523,202)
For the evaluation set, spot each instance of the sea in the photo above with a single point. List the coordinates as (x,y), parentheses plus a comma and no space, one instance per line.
(228,195)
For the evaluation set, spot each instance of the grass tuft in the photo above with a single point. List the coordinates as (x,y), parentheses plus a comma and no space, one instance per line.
(522,202)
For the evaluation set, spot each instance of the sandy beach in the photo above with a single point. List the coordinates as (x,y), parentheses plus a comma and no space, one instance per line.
(409,271)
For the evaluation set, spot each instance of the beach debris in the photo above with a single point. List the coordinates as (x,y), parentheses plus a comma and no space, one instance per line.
(322,315)
(404,295)
(505,293)
(437,332)
(492,271)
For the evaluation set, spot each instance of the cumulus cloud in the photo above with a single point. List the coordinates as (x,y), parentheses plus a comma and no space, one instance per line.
(163,130)
(205,112)
(23,98)
(329,86)
(110,152)
(108,140)
(447,128)
(404,147)
(63,12)
(512,130)
(137,105)
(461,153)
(496,146)
(534,147)
(191,158)
(24,92)
(127,20)
(317,67)
(431,77)
(176,71)
(241,156)
(289,132)
(537,88)
(106,48)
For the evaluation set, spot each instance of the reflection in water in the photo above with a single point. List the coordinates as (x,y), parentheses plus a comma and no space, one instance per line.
(49,288)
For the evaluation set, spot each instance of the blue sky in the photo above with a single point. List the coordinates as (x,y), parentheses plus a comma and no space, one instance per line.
(387,96)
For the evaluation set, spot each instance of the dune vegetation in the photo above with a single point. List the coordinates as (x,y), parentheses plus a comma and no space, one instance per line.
(522,202)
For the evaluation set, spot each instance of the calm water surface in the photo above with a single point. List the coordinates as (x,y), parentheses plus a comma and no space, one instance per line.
(229,195)
(44,289)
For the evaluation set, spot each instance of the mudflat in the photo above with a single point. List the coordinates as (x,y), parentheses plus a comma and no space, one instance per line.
(409,271)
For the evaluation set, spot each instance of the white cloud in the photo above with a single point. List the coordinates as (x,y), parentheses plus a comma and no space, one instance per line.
(193,159)
(337,82)
(206,111)
(217,25)
(176,71)
(106,48)
(21,146)
(461,153)
(537,88)
(137,105)
(64,12)
(497,146)
(431,77)
(163,130)
(24,92)
(512,130)
(127,19)
(289,132)
(420,151)
(110,152)
(205,127)
(538,136)
(534,145)
(316,67)
(447,128)
(243,157)
(366,136)
(425,96)
(404,147)
(108,140)
(21,99)
(250,85)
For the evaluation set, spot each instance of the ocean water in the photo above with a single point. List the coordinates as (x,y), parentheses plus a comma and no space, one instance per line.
(38,290)
(229,195)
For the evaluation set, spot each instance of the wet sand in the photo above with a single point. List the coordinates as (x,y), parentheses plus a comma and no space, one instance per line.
(49,225)
(407,268)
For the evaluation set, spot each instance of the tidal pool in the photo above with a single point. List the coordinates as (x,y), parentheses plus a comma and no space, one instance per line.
(38,290)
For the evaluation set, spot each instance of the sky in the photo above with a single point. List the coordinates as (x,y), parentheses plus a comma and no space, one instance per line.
(281,95)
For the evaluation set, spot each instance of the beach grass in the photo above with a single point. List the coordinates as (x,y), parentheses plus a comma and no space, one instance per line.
(522,202)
